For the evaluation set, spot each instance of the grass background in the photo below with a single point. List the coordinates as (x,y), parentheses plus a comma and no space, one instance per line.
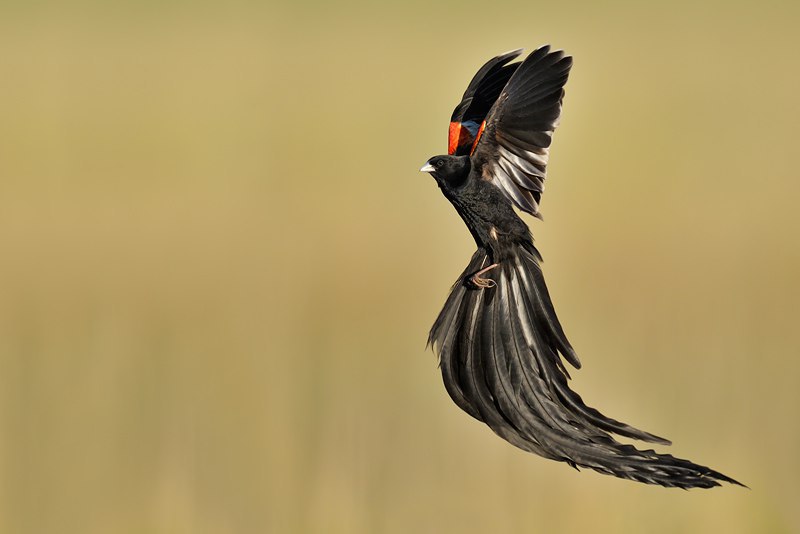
(219,264)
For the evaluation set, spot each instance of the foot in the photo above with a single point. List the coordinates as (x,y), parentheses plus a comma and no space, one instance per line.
(478,282)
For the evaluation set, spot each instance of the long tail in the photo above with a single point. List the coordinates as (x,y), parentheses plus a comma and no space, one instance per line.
(499,355)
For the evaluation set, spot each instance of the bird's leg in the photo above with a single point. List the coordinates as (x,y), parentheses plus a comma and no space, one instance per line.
(482,283)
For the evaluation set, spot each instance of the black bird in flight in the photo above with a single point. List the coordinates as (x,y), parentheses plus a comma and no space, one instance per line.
(499,342)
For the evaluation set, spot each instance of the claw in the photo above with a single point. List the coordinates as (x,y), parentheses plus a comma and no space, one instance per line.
(478,282)
(482,283)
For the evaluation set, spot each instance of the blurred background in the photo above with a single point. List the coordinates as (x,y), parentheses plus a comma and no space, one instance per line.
(220,264)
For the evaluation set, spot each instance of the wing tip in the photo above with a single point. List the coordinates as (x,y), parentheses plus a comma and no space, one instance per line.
(506,57)
(546,50)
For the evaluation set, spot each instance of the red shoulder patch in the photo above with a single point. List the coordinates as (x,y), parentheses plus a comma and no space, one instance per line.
(477,137)
(459,135)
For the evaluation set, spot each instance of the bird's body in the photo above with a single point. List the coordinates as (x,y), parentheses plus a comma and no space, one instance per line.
(498,338)
(489,216)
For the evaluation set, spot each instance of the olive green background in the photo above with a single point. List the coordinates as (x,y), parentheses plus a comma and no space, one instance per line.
(219,264)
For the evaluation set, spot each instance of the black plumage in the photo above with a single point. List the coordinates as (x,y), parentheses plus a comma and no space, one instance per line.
(499,341)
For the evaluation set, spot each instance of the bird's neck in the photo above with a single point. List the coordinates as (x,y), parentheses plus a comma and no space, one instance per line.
(455,173)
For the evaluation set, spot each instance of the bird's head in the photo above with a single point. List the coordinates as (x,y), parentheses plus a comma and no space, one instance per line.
(449,171)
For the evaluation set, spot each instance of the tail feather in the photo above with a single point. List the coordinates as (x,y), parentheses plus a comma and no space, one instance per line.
(501,351)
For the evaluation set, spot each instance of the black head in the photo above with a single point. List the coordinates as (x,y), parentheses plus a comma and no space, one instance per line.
(448,170)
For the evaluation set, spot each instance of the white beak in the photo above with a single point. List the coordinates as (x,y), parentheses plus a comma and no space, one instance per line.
(427,168)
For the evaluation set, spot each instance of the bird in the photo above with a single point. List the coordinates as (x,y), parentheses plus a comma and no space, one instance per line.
(501,349)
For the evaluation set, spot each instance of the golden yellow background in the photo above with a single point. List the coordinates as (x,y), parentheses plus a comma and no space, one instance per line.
(219,264)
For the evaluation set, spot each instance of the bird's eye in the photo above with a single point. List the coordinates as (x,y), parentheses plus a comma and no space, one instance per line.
(439,163)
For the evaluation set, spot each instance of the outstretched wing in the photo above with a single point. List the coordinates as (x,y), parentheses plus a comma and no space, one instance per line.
(512,146)
(478,99)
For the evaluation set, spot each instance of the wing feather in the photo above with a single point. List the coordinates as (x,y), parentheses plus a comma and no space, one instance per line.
(514,146)
(478,99)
